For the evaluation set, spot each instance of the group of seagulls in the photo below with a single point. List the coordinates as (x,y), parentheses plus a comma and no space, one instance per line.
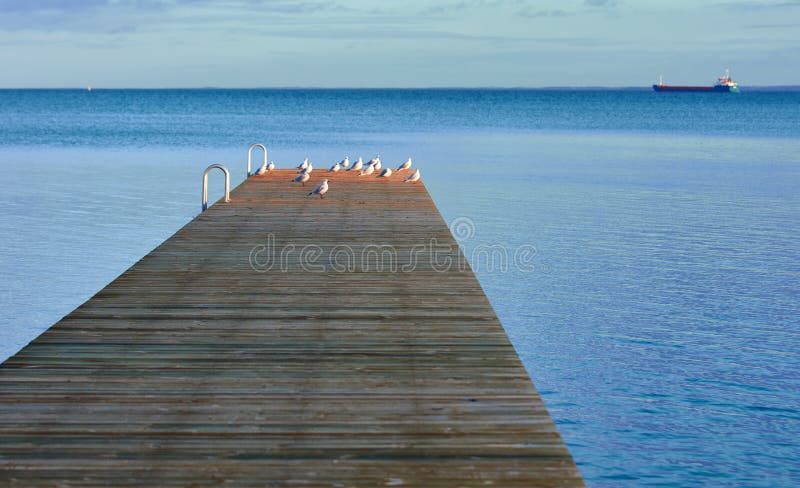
(306,167)
(305,170)
(373,165)
(265,168)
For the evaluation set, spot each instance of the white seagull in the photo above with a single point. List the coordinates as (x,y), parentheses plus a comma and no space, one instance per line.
(302,178)
(377,164)
(262,169)
(307,170)
(387,172)
(345,162)
(303,165)
(357,165)
(336,167)
(405,165)
(374,160)
(368,170)
(320,190)
(413,178)
(271,166)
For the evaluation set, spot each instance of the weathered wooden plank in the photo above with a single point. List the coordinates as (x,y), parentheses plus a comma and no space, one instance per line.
(197,368)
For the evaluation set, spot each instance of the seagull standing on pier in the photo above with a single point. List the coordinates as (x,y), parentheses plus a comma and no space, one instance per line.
(302,178)
(377,164)
(405,165)
(413,178)
(357,165)
(320,190)
(271,166)
(303,165)
(335,168)
(387,172)
(345,162)
(307,170)
(368,170)
(262,169)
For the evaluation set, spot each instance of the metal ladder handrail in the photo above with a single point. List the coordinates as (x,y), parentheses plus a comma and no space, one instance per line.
(205,184)
(250,156)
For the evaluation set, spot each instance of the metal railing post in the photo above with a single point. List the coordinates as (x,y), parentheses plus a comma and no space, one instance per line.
(250,156)
(205,184)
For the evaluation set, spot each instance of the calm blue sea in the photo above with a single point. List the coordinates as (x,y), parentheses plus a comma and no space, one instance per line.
(661,321)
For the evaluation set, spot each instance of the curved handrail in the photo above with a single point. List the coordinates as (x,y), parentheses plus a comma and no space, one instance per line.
(205,184)
(250,155)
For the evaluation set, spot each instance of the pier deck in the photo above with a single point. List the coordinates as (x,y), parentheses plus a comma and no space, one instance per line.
(207,364)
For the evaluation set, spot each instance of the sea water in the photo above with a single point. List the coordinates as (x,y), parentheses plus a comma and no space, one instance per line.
(658,314)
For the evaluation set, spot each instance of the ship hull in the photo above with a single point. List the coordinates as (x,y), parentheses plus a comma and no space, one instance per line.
(716,88)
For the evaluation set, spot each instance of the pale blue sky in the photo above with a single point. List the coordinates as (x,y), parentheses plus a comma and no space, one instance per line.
(358,43)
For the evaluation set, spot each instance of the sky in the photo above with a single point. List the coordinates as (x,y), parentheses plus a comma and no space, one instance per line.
(410,43)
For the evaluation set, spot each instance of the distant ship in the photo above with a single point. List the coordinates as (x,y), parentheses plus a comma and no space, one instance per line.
(724,84)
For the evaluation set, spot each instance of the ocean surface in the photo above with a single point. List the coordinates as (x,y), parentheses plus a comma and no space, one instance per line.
(661,317)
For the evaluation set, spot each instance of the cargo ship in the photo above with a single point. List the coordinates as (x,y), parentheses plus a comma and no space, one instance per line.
(724,84)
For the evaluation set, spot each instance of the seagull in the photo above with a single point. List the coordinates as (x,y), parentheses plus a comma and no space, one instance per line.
(336,167)
(303,165)
(357,165)
(405,165)
(262,169)
(368,170)
(374,160)
(387,172)
(271,166)
(413,178)
(377,164)
(302,178)
(307,170)
(320,190)
(345,162)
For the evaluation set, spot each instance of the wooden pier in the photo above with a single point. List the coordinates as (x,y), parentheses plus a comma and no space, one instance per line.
(227,357)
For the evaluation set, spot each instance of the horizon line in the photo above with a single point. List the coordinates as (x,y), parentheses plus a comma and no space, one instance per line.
(549,87)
